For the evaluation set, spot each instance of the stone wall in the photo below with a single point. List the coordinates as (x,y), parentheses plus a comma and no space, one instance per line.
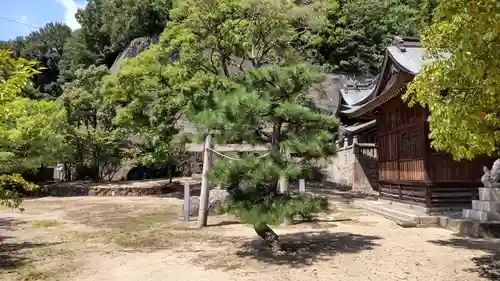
(354,167)
(112,188)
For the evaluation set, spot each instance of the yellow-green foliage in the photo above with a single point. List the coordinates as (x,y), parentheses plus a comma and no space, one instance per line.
(29,129)
(462,88)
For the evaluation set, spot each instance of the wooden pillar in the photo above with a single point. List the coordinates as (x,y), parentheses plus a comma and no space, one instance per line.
(205,192)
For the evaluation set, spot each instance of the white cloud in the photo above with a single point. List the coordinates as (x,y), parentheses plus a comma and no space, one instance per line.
(69,17)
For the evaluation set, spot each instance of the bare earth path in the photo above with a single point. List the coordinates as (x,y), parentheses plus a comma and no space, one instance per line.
(140,238)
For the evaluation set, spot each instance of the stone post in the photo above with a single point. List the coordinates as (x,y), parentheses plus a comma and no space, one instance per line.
(337,144)
(186,201)
(302,185)
(346,142)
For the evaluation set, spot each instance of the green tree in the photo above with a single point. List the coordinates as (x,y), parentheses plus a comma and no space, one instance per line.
(149,110)
(130,19)
(76,56)
(239,76)
(96,141)
(461,87)
(108,26)
(46,47)
(29,131)
(357,32)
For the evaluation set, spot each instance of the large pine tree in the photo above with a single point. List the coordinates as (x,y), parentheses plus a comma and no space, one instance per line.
(237,69)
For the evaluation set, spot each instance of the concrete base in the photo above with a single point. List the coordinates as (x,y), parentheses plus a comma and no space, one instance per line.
(486,206)
(470,214)
(479,229)
(406,217)
(488,194)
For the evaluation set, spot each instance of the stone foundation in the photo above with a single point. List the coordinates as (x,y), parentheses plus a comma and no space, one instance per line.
(487,208)
(354,167)
(479,229)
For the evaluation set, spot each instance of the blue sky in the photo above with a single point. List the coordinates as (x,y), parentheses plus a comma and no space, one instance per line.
(36,13)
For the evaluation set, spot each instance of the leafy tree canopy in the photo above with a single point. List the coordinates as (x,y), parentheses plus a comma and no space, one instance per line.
(46,47)
(234,68)
(97,141)
(29,130)
(108,26)
(358,31)
(462,88)
(148,109)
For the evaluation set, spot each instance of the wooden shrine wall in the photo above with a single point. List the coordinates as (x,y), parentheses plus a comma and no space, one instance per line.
(442,168)
(411,171)
(400,141)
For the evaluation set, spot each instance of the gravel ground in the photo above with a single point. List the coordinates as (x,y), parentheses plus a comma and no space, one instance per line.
(140,238)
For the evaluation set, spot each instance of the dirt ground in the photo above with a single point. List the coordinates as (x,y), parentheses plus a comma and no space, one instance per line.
(141,238)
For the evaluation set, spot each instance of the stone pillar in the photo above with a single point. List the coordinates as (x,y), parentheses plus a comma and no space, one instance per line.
(346,142)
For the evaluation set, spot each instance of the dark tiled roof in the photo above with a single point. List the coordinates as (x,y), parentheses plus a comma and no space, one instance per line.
(407,55)
(358,93)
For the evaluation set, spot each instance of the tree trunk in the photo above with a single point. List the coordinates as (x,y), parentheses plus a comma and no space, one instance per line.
(266,233)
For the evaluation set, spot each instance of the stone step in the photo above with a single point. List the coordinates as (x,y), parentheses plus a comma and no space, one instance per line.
(480,215)
(389,213)
(407,224)
(486,206)
(488,194)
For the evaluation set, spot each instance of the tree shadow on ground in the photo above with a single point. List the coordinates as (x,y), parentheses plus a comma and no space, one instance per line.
(486,266)
(14,254)
(10,224)
(306,248)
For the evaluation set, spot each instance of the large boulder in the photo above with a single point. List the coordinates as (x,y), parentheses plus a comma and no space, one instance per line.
(216,196)
(134,48)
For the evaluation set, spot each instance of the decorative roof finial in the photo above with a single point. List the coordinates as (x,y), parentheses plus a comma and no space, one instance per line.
(400,43)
